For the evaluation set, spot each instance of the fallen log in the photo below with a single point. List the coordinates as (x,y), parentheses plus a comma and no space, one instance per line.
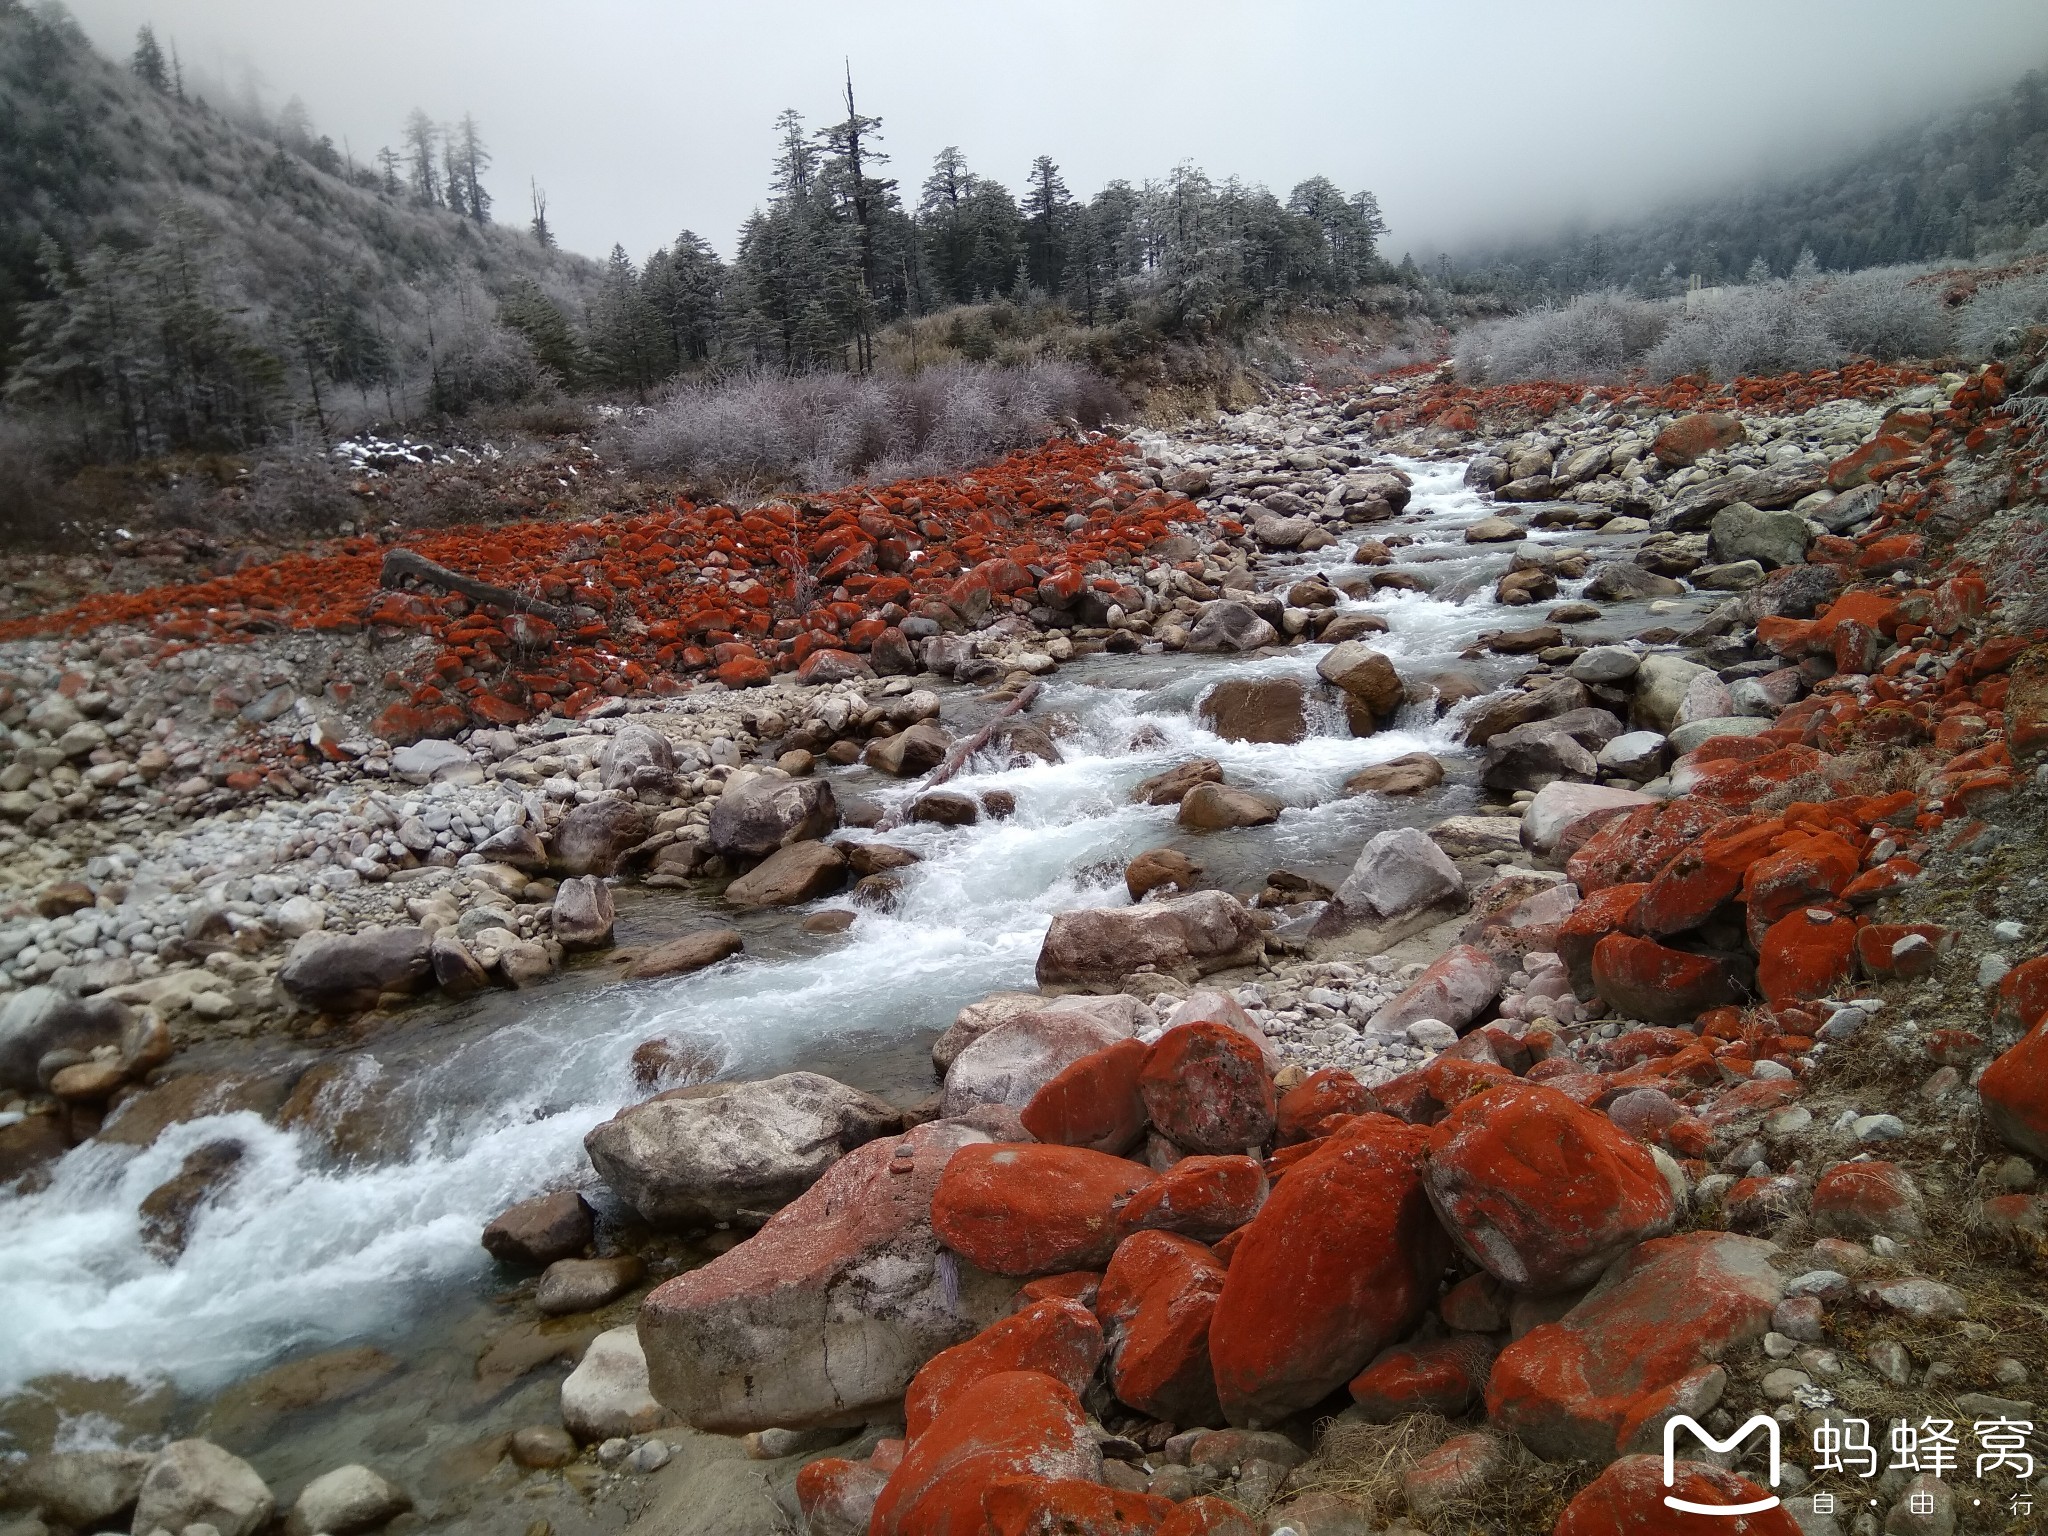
(960,751)
(402,565)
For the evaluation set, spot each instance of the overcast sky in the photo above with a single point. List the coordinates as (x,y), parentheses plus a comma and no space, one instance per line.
(644,117)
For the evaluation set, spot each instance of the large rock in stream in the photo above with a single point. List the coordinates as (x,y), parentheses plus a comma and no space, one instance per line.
(765,811)
(732,1151)
(824,1315)
(1186,936)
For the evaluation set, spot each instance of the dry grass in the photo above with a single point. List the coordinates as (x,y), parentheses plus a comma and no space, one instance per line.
(1363,1464)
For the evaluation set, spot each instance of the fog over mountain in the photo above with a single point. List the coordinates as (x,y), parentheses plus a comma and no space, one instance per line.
(1470,124)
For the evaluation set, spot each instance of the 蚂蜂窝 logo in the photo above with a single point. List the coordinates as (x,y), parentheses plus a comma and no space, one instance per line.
(1770,1427)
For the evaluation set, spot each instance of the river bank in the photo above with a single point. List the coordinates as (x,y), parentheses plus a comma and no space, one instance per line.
(321,1155)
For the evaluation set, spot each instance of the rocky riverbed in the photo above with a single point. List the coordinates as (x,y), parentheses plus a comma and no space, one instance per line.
(1331,968)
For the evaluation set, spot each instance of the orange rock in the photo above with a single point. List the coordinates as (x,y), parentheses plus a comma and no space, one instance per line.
(2014,1093)
(1323,1093)
(1540,1192)
(1798,875)
(1611,910)
(1693,437)
(1876,942)
(838,1496)
(1603,1377)
(1013,1424)
(1692,887)
(1207,1515)
(1636,847)
(1863,1199)
(1092,1102)
(1019,1209)
(2023,994)
(1060,1338)
(1205,1087)
(1628,1500)
(1805,954)
(1444,1375)
(1642,979)
(1199,1197)
(1158,1301)
(1340,1262)
(1042,1506)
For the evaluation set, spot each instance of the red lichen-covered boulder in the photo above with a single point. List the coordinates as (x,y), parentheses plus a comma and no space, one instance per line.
(2014,1093)
(1208,1515)
(1013,1424)
(1060,1338)
(1904,950)
(1044,1506)
(837,1496)
(1805,954)
(1540,1192)
(1205,1087)
(1093,1102)
(1644,1343)
(1612,910)
(1022,1209)
(1703,875)
(1642,979)
(1157,1301)
(1864,1199)
(1307,1108)
(1199,1197)
(1628,1500)
(1694,437)
(1341,1261)
(2023,994)
(1445,1375)
(1635,847)
(1810,870)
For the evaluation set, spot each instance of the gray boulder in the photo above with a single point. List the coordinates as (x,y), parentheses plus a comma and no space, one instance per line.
(824,1315)
(1619,581)
(765,811)
(583,913)
(1274,531)
(82,1489)
(1638,755)
(1605,664)
(1500,712)
(1661,685)
(39,1020)
(591,838)
(790,875)
(1186,936)
(195,1482)
(346,973)
(1228,625)
(716,1152)
(637,757)
(1771,539)
(1846,511)
(344,1501)
(540,1230)
(607,1395)
(1398,872)
(910,752)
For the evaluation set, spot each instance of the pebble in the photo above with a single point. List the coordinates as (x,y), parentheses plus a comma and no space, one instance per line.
(1869,1128)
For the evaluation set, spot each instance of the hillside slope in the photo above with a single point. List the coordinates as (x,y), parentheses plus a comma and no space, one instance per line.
(278,282)
(1959,184)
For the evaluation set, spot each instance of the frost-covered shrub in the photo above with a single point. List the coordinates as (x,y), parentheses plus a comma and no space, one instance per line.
(1999,313)
(823,430)
(1768,328)
(1599,336)
(1879,312)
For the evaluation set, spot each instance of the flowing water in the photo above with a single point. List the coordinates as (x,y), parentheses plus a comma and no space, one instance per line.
(491,1099)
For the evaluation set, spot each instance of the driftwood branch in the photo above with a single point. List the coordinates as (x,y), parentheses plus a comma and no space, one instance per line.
(401,565)
(956,757)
